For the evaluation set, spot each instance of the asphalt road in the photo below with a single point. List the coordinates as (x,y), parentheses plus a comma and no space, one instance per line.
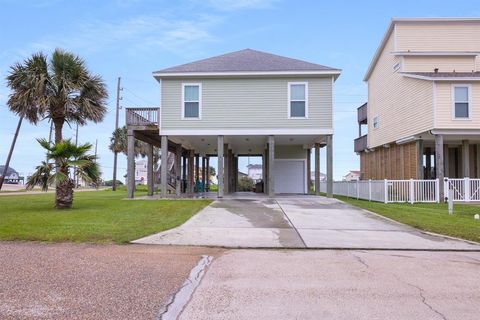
(79,281)
(73,281)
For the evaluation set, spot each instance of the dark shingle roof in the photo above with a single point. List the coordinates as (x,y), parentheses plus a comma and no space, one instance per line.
(247,60)
(10,170)
(445,74)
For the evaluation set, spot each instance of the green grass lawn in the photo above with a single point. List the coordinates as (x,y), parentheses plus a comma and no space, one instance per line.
(97,216)
(428,217)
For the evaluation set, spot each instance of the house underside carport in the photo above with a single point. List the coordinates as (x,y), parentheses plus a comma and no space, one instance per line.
(285,158)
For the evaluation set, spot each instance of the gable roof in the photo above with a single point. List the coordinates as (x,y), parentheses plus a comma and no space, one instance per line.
(247,61)
(10,171)
(390,29)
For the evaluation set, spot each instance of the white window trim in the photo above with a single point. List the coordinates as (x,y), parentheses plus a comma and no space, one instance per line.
(289,100)
(469,90)
(199,101)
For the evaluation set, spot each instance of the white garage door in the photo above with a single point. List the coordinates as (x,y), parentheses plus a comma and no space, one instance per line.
(289,176)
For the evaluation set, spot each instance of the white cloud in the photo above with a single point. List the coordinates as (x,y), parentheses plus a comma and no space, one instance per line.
(136,34)
(233,5)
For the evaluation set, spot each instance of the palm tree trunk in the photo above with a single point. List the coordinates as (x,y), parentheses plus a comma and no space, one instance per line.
(64,194)
(58,123)
(2,178)
(64,190)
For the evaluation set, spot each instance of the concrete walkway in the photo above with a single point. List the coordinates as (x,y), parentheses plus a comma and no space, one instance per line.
(298,222)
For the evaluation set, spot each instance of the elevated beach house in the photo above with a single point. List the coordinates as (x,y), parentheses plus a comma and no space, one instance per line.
(244,103)
(423,109)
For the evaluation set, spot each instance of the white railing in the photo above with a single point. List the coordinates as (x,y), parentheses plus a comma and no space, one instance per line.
(389,191)
(465,189)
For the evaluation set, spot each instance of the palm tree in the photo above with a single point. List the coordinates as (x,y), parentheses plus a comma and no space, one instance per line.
(65,155)
(119,143)
(61,89)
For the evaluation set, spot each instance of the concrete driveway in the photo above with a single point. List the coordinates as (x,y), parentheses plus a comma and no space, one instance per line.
(298,222)
(338,284)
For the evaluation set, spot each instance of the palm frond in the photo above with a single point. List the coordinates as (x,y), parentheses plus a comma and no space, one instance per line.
(41,176)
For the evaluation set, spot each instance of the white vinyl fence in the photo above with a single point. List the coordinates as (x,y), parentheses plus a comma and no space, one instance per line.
(411,191)
(464,190)
(388,191)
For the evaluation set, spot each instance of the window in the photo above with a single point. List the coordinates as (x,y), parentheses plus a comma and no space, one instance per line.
(461,95)
(375,122)
(191,101)
(297,100)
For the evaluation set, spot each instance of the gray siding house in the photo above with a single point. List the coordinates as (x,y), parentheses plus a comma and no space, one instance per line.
(244,103)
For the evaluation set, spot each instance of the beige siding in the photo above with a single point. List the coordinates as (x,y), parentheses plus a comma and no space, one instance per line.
(404,106)
(444,107)
(255,103)
(438,36)
(444,64)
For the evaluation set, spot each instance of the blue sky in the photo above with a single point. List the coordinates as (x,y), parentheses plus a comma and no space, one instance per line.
(132,38)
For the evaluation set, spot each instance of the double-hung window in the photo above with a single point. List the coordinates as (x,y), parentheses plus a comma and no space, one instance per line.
(192,102)
(461,98)
(297,99)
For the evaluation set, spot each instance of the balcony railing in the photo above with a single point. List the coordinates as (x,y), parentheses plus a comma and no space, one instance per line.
(360,143)
(142,116)
(362,114)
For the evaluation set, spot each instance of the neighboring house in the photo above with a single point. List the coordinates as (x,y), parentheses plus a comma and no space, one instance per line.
(242,175)
(12,176)
(323,176)
(352,175)
(206,110)
(141,171)
(255,172)
(423,102)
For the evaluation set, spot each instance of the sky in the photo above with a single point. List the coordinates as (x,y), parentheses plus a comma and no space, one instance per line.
(133,38)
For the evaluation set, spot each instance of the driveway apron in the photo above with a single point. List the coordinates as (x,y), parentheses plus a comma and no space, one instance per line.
(298,222)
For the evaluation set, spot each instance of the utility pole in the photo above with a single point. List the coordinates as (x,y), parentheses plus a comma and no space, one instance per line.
(96,145)
(115,154)
(75,176)
(7,163)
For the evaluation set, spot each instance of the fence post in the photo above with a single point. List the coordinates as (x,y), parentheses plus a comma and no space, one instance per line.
(369,189)
(358,190)
(437,190)
(385,190)
(446,187)
(466,188)
(411,191)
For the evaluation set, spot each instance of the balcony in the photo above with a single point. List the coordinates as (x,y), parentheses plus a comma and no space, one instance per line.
(142,116)
(362,114)
(360,144)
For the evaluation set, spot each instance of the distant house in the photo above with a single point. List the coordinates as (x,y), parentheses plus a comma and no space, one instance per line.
(12,176)
(255,172)
(323,176)
(353,175)
(141,172)
(242,174)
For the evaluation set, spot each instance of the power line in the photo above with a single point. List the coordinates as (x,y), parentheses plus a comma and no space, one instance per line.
(139,97)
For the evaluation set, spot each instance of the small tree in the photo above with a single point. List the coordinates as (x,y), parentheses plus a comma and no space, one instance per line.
(245,184)
(65,155)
